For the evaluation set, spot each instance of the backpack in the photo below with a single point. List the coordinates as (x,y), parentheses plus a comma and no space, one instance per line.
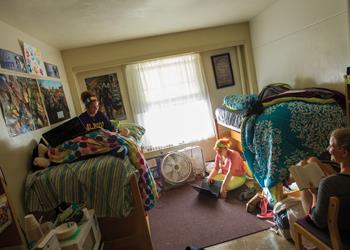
(285,213)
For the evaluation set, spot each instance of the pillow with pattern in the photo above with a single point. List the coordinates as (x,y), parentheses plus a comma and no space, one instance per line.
(136,131)
(240,102)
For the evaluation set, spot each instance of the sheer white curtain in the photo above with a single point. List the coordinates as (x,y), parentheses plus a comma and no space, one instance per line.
(169,99)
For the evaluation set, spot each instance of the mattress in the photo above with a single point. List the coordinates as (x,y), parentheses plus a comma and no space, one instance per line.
(230,118)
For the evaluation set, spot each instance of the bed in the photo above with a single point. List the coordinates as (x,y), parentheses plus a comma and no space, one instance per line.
(94,170)
(282,126)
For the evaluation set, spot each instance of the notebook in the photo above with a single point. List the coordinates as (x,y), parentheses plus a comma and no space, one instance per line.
(65,131)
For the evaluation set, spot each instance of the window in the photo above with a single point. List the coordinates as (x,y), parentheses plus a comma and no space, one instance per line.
(169,99)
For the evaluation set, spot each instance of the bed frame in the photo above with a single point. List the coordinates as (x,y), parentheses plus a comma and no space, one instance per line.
(235,136)
(132,232)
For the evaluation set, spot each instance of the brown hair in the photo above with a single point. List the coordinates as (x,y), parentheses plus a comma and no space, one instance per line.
(342,136)
(87,97)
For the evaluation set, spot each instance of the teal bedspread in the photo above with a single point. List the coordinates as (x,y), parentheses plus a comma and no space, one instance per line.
(101,183)
(285,133)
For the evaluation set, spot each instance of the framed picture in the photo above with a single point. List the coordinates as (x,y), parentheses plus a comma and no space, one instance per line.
(107,90)
(54,100)
(223,70)
(51,70)
(33,60)
(12,61)
(21,104)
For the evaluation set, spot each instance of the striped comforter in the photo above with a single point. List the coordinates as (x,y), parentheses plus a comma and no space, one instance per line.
(101,183)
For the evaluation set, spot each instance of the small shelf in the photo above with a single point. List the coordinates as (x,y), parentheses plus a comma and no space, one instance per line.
(27,75)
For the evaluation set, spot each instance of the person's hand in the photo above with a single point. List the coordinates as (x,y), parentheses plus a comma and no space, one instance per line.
(124,131)
(211,180)
(313,190)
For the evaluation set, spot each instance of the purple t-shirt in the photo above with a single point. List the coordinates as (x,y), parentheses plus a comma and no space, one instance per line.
(98,121)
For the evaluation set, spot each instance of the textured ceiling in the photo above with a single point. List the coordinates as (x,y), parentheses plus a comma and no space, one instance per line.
(76,23)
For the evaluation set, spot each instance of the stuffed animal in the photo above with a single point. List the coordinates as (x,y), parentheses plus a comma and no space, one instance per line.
(42,160)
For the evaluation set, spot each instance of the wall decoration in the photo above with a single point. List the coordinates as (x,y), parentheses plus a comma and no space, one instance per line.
(5,214)
(54,100)
(12,61)
(107,90)
(21,104)
(52,70)
(33,60)
(222,70)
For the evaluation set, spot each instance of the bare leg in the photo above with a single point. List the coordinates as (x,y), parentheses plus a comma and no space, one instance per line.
(306,200)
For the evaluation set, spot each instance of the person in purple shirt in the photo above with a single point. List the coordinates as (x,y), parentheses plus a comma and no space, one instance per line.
(92,118)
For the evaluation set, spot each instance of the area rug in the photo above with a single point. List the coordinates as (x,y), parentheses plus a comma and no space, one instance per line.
(184,217)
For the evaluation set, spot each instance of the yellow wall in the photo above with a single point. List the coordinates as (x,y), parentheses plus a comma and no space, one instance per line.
(15,153)
(106,58)
(304,43)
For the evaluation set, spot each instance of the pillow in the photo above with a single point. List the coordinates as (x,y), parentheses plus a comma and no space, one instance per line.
(240,102)
(136,131)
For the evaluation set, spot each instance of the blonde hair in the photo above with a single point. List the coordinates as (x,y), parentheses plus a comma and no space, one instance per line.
(342,137)
(222,143)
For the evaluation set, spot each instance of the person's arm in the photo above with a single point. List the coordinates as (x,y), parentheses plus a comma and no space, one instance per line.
(215,170)
(228,176)
(320,202)
(107,123)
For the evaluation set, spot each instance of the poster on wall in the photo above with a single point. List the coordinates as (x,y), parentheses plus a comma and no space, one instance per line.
(12,61)
(54,100)
(21,104)
(52,70)
(107,90)
(5,214)
(33,60)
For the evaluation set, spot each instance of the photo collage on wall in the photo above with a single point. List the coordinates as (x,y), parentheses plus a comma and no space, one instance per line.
(107,90)
(27,103)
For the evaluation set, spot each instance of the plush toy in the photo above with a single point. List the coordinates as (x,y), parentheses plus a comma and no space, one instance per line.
(42,160)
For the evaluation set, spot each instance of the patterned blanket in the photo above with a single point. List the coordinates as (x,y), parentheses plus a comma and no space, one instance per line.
(285,133)
(99,142)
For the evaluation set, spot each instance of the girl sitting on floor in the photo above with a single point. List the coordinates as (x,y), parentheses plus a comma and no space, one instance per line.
(228,167)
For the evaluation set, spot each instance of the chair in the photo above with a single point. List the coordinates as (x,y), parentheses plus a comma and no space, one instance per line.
(338,225)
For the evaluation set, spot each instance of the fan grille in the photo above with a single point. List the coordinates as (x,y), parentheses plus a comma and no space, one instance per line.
(176,168)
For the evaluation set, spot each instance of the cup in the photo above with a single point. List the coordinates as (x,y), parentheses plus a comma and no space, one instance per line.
(32,228)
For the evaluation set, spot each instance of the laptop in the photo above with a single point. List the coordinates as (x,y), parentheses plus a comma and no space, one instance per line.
(212,190)
(65,131)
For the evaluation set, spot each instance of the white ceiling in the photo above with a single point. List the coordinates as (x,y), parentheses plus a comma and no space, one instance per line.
(76,23)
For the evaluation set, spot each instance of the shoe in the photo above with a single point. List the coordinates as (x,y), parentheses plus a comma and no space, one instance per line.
(252,204)
(267,215)
(264,212)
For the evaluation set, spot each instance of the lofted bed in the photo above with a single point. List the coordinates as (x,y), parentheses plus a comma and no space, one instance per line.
(279,128)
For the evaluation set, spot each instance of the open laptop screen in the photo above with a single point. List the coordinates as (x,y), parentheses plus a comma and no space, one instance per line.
(65,131)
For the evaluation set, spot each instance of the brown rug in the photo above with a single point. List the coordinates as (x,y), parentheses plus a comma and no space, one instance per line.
(183,217)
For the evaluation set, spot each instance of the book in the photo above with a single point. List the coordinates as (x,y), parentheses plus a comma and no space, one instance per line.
(307,176)
(212,190)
